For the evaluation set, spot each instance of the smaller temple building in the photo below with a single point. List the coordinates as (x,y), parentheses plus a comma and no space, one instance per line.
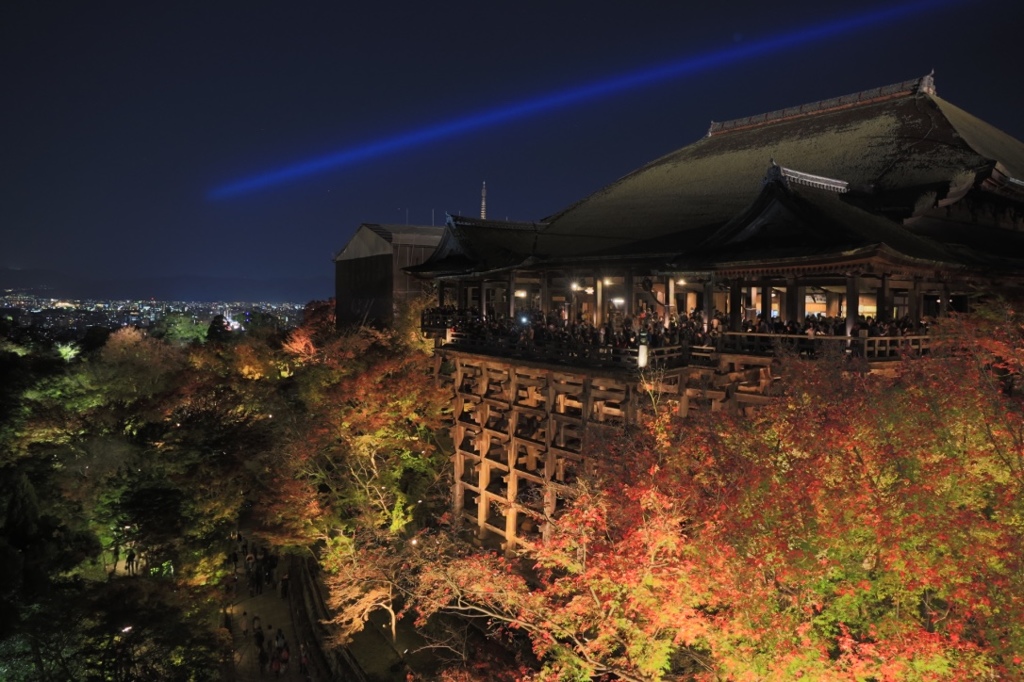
(369,275)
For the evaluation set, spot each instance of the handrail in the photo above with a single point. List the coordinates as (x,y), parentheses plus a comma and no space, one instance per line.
(450,324)
(867,347)
(573,353)
(310,610)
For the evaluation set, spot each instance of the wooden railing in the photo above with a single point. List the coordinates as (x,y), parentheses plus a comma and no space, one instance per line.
(439,320)
(874,348)
(309,616)
(589,355)
(572,351)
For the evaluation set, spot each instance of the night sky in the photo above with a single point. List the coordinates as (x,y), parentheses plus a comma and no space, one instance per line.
(120,121)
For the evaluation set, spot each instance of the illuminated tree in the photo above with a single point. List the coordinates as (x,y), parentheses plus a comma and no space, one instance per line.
(145,446)
(863,528)
(179,328)
(68,351)
(367,461)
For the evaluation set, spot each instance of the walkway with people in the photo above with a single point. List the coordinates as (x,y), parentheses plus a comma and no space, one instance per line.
(261,621)
(261,600)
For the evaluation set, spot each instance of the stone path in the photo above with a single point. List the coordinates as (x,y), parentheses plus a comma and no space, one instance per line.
(274,613)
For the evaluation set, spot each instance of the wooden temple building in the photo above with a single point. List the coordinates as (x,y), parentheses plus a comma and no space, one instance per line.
(369,272)
(843,225)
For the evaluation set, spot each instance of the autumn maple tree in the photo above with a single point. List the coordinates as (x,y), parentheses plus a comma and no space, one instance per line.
(864,527)
(365,464)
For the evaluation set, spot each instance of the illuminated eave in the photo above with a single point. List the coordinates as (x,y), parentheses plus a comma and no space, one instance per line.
(816,181)
(869,259)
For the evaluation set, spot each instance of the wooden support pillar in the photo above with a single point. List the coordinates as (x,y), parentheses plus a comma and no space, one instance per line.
(573,314)
(852,302)
(511,529)
(796,297)
(766,301)
(483,298)
(461,294)
(545,293)
(481,499)
(736,305)
(670,297)
(883,300)
(944,301)
(709,302)
(914,303)
(458,487)
(630,294)
(512,294)
(599,300)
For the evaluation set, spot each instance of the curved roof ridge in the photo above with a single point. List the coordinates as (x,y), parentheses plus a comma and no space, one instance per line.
(810,179)
(493,223)
(388,231)
(925,84)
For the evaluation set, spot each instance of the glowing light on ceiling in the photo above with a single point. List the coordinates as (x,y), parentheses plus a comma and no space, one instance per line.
(676,69)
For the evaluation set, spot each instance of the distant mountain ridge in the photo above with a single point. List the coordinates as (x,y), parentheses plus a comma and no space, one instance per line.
(169,288)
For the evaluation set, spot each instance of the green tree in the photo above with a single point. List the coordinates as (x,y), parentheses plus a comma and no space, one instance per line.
(179,328)
(142,445)
(219,330)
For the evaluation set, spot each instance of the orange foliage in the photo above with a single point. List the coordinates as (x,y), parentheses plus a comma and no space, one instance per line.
(863,528)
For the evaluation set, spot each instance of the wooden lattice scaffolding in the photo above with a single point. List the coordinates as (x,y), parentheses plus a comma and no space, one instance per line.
(520,435)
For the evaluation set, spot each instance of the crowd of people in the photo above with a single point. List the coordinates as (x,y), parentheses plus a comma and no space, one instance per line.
(272,653)
(822,325)
(534,329)
(537,329)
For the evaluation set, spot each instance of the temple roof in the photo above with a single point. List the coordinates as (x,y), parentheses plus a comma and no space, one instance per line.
(892,147)
(479,245)
(895,171)
(788,223)
(372,239)
(406,234)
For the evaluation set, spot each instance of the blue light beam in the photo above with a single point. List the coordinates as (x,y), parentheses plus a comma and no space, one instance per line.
(684,67)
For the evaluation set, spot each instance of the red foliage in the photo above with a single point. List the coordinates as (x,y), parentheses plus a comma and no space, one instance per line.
(863,528)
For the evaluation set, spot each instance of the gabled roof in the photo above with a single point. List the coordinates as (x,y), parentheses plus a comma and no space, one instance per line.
(479,245)
(372,239)
(406,234)
(788,223)
(877,172)
(893,145)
